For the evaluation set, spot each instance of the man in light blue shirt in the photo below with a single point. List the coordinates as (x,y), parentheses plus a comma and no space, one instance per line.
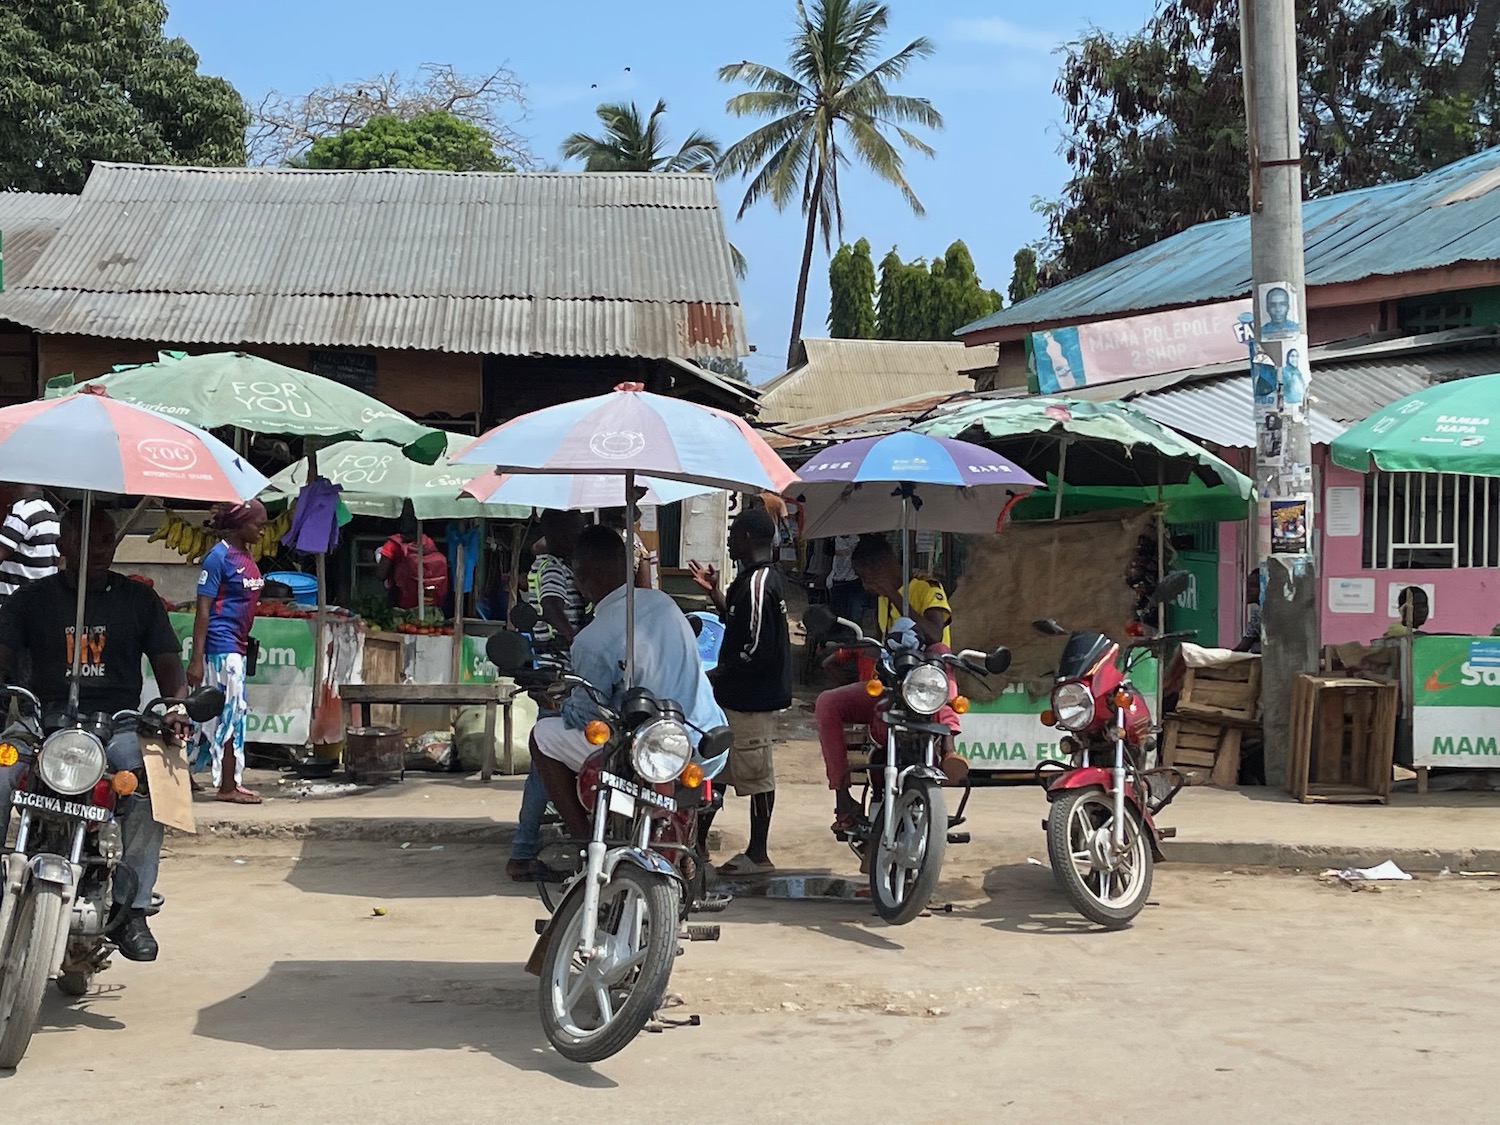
(666,664)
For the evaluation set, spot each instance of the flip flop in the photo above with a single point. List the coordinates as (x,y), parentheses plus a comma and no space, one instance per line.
(742,865)
(238,797)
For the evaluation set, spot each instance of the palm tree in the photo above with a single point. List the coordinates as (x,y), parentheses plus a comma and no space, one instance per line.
(835,99)
(632,145)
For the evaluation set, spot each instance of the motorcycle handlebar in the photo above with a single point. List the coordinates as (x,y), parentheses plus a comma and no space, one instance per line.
(16,689)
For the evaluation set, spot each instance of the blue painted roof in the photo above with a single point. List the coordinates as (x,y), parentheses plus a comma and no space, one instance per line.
(1388,229)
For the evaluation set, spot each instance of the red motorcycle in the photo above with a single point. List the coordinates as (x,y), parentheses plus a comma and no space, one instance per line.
(1102,836)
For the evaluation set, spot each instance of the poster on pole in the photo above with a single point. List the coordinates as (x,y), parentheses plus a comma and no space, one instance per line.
(1289,524)
(1278,303)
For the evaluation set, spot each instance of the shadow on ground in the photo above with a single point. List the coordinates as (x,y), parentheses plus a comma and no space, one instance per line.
(394,1006)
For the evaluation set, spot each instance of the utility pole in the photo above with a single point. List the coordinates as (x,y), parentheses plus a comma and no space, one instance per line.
(1279,369)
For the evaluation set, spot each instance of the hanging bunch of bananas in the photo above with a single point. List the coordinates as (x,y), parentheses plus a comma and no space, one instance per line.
(194,540)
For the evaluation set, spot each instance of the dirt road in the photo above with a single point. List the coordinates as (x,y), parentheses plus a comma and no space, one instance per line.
(1239,998)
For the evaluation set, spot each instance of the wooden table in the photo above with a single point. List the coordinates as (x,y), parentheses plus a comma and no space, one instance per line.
(488,696)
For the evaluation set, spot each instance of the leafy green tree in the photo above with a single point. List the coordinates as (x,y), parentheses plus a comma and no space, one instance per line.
(430,140)
(831,104)
(1155,121)
(851,287)
(1023,279)
(919,301)
(100,80)
(630,144)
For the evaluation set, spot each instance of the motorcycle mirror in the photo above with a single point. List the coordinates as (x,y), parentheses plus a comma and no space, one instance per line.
(1171,587)
(509,652)
(523,617)
(716,742)
(1049,626)
(997,661)
(204,703)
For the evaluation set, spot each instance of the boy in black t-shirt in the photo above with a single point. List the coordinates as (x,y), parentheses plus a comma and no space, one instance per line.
(753,679)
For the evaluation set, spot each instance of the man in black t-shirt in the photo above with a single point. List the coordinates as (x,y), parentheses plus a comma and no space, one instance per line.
(753,679)
(123,622)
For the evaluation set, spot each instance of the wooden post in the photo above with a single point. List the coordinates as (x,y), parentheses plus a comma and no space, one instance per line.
(456,583)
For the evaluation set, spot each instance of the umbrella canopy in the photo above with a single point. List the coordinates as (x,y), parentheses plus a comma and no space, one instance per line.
(1108,444)
(254,394)
(1189,502)
(93,443)
(630,431)
(376,480)
(947,485)
(1451,427)
(575,492)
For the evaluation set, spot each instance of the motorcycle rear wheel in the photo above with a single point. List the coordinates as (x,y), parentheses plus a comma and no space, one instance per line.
(1109,897)
(23,976)
(592,1010)
(904,875)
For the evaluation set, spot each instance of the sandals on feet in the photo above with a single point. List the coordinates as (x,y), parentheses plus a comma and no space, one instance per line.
(240,796)
(844,822)
(742,865)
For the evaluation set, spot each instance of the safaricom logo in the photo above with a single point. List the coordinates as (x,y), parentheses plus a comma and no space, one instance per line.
(1473,677)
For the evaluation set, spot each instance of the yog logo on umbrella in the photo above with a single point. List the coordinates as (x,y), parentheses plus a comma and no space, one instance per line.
(617,445)
(166,454)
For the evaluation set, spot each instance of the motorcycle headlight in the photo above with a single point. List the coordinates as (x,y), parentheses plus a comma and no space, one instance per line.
(1073,704)
(71,762)
(660,751)
(925,689)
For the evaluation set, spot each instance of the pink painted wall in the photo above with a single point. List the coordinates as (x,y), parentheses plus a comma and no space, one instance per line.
(1463,601)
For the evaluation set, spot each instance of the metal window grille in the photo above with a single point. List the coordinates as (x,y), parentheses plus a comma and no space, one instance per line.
(1431,521)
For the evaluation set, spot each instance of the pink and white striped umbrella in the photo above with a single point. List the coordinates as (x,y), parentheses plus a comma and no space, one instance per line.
(94,443)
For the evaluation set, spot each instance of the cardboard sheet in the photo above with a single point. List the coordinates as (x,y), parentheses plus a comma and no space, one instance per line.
(167,777)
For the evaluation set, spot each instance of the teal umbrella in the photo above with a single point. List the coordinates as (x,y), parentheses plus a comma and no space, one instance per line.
(1451,427)
(1107,451)
(249,393)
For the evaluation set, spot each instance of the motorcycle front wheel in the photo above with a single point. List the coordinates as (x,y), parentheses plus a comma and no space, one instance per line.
(27,965)
(904,874)
(592,1009)
(1079,825)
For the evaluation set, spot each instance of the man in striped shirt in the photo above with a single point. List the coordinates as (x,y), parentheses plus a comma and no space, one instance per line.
(28,542)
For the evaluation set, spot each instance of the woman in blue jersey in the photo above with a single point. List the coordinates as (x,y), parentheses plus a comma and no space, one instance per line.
(228,590)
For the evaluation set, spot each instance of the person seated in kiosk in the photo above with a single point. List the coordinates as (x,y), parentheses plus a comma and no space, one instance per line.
(879,570)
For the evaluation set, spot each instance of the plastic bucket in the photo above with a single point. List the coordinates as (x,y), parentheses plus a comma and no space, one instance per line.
(710,637)
(304,587)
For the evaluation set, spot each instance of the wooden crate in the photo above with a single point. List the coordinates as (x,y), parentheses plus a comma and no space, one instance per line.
(1343,735)
(1229,691)
(1207,753)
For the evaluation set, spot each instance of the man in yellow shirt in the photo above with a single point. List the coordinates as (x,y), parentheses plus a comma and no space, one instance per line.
(879,570)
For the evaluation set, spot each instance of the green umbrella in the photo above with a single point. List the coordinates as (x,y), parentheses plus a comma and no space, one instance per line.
(1107,450)
(376,479)
(1192,502)
(1445,428)
(254,394)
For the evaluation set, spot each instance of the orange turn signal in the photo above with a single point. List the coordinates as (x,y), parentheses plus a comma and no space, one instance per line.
(873,688)
(123,783)
(961,704)
(9,755)
(1048,719)
(691,775)
(1122,699)
(597,733)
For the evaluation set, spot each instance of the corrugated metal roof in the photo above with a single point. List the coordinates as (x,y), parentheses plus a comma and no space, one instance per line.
(28,221)
(1396,228)
(1221,411)
(512,264)
(842,376)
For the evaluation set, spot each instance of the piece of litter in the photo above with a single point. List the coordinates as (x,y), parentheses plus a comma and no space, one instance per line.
(241,862)
(405,845)
(1035,862)
(436,848)
(1479,874)
(1384,872)
(378,912)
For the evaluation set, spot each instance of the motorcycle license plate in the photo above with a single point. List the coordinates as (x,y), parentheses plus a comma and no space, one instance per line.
(42,803)
(640,793)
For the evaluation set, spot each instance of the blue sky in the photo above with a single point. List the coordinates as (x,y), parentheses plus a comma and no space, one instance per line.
(991,77)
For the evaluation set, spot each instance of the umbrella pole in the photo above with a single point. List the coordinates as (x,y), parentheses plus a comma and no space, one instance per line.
(81,577)
(421,585)
(905,558)
(320,618)
(1062,468)
(629,579)
(457,585)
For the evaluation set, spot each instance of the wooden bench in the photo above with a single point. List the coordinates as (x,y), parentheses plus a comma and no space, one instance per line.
(491,697)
